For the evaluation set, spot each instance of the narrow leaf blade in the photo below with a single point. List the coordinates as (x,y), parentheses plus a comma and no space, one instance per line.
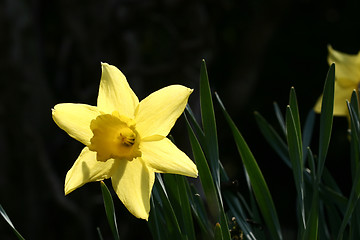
(326,118)
(273,138)
(209,124)
(204,173)
(109,209)
(355,190)
(312,224)
(295,153)
(280,117)
(259,185)
(296,117)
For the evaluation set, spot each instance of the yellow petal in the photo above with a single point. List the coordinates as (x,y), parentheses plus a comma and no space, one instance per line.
(164,157)
(133,182)
(347,67)
(87,169)
(75,120)
(341,94)
(158,112)
(115,93)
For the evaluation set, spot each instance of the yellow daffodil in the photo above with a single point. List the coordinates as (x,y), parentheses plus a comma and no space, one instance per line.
(125,139)
(347,78)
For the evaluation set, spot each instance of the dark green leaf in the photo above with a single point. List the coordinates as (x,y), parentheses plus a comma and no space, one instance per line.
(273,138)
(311,164)
(234,203)
(355,190)
(354,143)
(109,209)
(209,124)
(280,118)
(204,174)
(325,230)
(258,183)
(296,117)
(295,153)
(212,192)
(195,126)
(179,199)
(200,214)
(238,212)
(312,224)
(156,218)
(326,118)
(172,224)
(187,219)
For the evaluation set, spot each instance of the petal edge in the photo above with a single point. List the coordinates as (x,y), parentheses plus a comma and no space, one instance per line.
(87,169)
(133,183)
(164,157)
(158,112)
(75,120)
(115,93)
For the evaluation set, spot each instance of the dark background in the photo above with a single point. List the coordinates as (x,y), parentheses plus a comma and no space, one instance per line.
(50,52)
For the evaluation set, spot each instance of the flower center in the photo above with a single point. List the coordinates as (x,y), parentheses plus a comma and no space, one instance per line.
(127,137)
(115,136)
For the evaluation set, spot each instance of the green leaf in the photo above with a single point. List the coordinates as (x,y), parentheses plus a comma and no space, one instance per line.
(212,192)
(224,225)
(355,223)
(333,219)
(355,103)
(355,190)
(354,143)
(209,124)
(296,117)
(99,233)
(324,221)
(236,209)
(312,224)
(261,191)
(109,209)
(240,217)
(200,214)
(172,224)
(331,196)
(326,118)
(7,219)
(280,118)
(156,220)
(179,199)
(271,136)
(329,192)
(312,165)
(295,152)
(187,219)
(204,174)
(218,232)
(195,126)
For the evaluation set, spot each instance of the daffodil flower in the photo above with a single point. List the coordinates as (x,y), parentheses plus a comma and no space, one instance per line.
(347,78)
(125,139)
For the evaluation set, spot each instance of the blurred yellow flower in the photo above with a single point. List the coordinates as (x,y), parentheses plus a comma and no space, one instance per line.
(347,78)
(125,139)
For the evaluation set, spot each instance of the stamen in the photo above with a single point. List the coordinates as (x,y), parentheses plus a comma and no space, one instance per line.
(127,137)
